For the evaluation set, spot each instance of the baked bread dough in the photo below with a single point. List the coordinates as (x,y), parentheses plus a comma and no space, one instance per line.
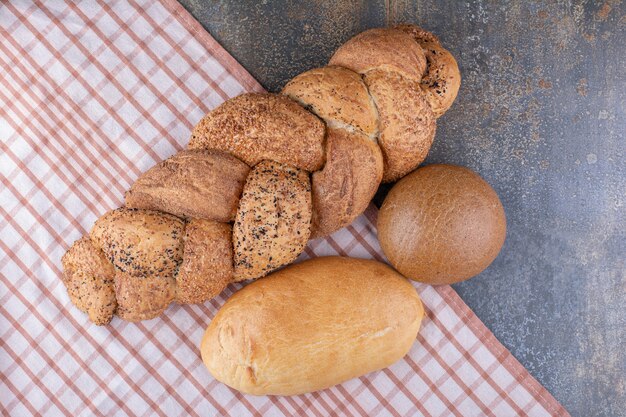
(202,184)
(273,222)
(255,126)
(312,325)
(441,224)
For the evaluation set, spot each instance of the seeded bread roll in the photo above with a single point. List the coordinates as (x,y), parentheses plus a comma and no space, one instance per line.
(343,189)
(406,122)
(393,63)
(382,49)
(442,78)
(140,242)
(318,152)
(203,184)
(348,182)
(145,247)
(143,297)
(207,261)
(338,96)
(273,222)
(88,276)
(254,127)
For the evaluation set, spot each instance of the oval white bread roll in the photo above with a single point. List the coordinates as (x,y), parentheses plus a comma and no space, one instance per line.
(311,326)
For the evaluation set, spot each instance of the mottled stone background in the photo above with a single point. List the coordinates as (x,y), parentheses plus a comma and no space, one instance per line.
(541,116)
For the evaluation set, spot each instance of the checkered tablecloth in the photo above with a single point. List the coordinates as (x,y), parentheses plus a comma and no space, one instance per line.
(92,94)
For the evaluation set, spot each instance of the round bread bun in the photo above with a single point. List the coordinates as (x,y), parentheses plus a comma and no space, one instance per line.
(441,79)
(441,224)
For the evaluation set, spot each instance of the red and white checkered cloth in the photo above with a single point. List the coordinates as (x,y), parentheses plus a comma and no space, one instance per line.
(93,94)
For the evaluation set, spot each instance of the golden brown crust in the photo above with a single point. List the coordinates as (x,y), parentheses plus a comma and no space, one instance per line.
(337,95)
(140,242)
(88,276)
(198,183)
(417,33)
(273,222)
(348,182)
(143,297)
(312,325)
(386,85)
(254,127)
(441,224)
(382,49)
(406,122)
(207,261)
(442,78)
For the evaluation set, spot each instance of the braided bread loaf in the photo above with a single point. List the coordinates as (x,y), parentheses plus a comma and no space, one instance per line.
(262,174)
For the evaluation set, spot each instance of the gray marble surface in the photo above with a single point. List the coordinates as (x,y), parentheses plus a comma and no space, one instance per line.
(541,116)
